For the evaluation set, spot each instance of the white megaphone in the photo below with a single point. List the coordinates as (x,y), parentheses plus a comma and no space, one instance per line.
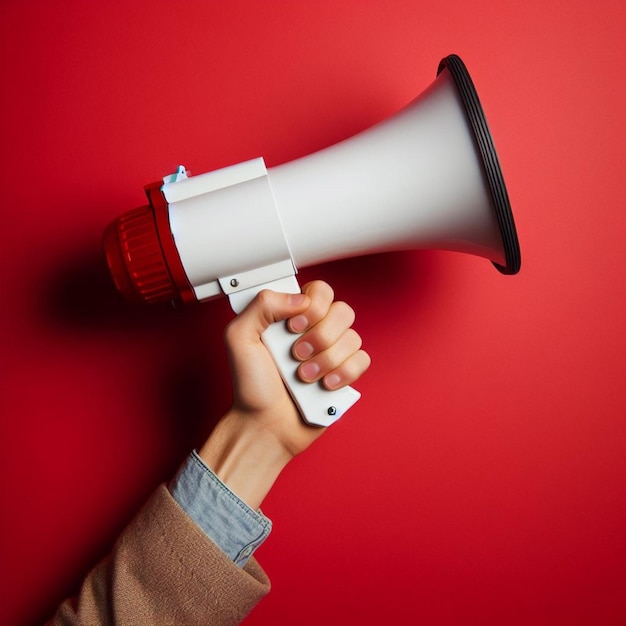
(426,178)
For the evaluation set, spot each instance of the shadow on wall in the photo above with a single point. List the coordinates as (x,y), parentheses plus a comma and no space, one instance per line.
(185,379)
(190,388)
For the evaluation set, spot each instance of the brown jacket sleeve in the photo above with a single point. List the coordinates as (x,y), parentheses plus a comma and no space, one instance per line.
(163,570)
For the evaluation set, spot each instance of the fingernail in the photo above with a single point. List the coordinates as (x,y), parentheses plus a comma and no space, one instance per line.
(299,323)
(332,381)
(304,350)
(309,371)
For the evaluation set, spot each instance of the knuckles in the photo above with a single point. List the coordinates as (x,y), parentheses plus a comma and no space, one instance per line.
(346,311)
(232,331)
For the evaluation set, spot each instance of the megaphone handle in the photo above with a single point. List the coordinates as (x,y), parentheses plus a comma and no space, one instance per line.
(317,405)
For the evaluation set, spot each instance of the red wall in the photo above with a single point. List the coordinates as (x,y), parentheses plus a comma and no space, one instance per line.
(481,479)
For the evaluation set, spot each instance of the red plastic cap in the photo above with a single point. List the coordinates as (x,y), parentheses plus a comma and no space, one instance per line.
(136,260)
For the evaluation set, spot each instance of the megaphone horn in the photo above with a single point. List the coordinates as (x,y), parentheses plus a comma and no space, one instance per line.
(426,178)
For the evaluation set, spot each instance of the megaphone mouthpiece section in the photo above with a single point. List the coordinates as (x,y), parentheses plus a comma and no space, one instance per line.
(142,256)
(135,258)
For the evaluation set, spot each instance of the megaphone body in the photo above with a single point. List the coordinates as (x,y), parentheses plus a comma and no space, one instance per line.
(426,178)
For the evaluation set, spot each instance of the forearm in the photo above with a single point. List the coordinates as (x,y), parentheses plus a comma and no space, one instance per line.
(246,456)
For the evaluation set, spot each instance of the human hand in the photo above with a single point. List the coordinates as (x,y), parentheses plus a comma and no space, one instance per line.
(263,420)
(329,351)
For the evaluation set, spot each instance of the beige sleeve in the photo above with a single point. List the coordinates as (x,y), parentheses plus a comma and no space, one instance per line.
(164,570)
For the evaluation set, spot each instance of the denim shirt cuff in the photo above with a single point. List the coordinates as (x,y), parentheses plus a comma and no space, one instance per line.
(227,520)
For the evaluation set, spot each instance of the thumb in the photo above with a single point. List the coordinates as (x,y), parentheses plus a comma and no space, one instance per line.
(266,308)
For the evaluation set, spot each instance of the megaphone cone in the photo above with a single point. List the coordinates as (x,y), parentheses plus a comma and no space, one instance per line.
(426,178)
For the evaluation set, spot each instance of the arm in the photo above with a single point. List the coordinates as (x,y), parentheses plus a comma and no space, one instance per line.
(164,568)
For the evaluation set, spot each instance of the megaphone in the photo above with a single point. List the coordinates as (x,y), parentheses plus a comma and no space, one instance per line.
(426,178)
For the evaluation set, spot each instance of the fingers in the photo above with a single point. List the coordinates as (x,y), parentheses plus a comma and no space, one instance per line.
(349,371)
(321,297)
(268,307)
(330,350)
(326,332)
(339,365)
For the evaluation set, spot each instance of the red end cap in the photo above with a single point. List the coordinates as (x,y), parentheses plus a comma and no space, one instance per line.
(136,260)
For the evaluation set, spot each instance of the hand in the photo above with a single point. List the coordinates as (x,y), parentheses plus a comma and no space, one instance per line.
(263,429)
(329,350)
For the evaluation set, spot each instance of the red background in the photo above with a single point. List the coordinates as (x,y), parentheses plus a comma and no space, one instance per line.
(481,479)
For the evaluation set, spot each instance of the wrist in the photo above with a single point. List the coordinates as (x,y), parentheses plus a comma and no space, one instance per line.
(245,456)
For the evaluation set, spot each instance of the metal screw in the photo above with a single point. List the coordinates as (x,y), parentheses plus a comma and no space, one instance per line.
(234,282)
(332,410)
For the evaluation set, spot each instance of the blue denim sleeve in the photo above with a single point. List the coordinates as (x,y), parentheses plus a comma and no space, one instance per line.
(228,521)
